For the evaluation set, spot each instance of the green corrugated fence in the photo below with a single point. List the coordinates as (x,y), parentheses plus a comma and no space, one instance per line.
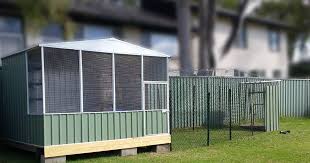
(294,98)
(188,101)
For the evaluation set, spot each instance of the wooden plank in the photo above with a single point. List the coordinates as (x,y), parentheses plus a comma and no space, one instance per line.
(72,149)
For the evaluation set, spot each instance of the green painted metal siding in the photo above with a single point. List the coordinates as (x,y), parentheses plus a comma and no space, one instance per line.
(294,98)
(272,108)
(17,125)
(188,113)
(90,127)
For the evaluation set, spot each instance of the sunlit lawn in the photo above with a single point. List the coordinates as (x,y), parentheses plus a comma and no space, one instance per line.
(262,147)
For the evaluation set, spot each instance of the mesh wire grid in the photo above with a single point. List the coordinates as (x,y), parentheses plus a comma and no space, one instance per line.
(97,82)
(62,80)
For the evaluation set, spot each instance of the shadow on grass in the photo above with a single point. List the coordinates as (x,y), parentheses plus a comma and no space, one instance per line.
(10,154)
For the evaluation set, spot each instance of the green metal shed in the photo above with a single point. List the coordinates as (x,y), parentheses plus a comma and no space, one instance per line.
(85,96)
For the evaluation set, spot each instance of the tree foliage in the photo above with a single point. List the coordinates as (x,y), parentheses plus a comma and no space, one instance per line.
(38,13)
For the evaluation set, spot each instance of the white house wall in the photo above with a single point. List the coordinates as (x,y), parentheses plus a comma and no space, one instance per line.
(257,56)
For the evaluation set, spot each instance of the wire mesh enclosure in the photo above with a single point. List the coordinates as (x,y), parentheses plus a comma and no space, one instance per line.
(210,110)
(97,82)
(35,81)
(128,82)
(74,81)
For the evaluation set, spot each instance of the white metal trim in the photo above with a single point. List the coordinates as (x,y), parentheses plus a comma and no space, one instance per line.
(142,94)
(27,82)
(102,112)
(113,82)
(81,81)
(156,82)
(168,109)
(43,78)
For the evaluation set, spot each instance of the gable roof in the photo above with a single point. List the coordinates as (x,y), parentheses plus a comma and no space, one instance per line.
(109,45)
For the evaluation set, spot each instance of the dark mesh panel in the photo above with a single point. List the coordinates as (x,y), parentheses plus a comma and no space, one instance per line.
(128,82)
(154,69)
(97,82)
(62,80)
(35,81)
(155,96)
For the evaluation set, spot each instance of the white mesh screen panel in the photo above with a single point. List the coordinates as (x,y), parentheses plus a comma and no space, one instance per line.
(154,68)
(128,82)
(35,81)
(97,82)
(62,80)
(155,96)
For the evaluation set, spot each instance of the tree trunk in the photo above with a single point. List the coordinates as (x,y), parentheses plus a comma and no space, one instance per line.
(184,35)
(206,33)
(237,22)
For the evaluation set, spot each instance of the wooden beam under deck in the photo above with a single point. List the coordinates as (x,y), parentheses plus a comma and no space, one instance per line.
(108,145)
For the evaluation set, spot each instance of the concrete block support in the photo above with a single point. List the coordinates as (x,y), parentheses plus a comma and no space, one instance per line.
(61,159)
(163,148)
(128,152)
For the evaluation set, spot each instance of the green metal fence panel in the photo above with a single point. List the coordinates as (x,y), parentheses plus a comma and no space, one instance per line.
(186,114)
(17,124)
(294,97)
(90,127)
(272,108)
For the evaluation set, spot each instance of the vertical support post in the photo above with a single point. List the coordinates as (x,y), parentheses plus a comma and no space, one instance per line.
(113,82)
(208,119)
(170,121)
(168,97)
(239,98)
(43,78)
(251,109)
(27,82)
(230,109)
(265,108)
(143,96)
(81,82)
(194,106)
(220,105)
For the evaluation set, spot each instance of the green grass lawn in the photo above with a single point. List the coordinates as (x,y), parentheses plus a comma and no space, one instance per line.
(262,147)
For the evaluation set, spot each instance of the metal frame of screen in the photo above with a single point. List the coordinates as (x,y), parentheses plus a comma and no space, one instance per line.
(143,83)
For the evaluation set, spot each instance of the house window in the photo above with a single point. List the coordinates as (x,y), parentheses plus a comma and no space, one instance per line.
(11,35)
(95,32)
(257,73)
(52,33)
(241,38)
(165,43)
(274,40)
(131,3)
(277,74)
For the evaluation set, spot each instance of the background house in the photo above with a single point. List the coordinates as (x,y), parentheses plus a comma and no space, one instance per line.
(260,48)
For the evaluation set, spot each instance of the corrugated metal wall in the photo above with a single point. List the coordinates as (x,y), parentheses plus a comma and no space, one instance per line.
(294,98)
(272,111)
(188,113)
(17,125)
(89,127)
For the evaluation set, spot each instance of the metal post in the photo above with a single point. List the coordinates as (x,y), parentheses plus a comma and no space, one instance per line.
(143,96)
(194,107)
(113,82)
(170,119)
(229,104)
(208,119)
(43,79)
(251,109)
(81,81)
(220,105)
